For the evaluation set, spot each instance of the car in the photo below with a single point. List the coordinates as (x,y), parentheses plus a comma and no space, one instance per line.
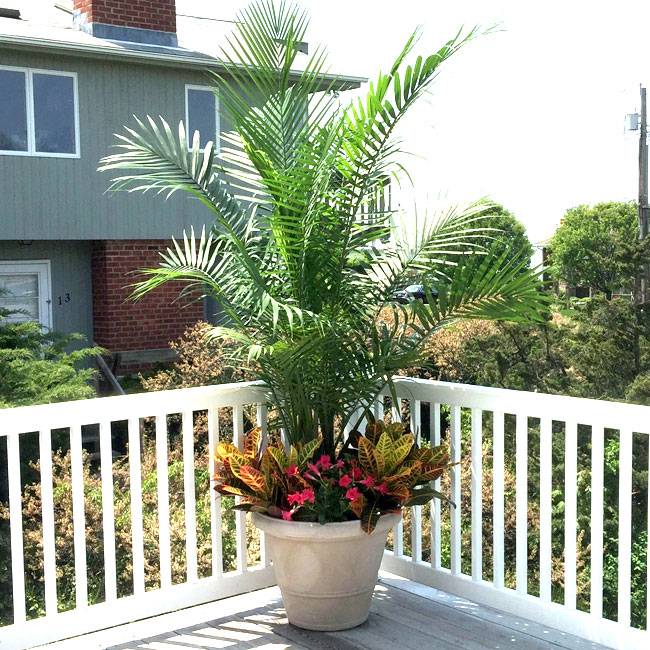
(414,292)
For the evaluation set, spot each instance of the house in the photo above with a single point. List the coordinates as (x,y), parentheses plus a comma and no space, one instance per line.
(71,75)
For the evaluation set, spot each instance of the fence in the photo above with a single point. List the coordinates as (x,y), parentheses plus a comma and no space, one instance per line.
(528,452)
(136,411)
(538,421)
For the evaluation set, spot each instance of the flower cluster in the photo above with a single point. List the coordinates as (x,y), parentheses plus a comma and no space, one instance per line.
(341,483)
(370,475)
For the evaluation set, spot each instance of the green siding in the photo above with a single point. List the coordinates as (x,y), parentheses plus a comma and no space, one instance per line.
(70,263)
(59,198)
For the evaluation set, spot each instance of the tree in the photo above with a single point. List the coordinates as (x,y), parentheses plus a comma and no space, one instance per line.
(597,246)
(36,366)
(278,262)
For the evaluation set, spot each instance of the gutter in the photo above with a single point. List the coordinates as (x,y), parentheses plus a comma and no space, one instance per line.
(345,82)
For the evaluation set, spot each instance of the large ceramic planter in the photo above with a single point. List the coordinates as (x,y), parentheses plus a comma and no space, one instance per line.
(326,573)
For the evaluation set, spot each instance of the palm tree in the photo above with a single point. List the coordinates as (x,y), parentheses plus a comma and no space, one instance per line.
(293,257)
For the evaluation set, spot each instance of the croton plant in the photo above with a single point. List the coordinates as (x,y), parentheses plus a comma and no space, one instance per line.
(370,475)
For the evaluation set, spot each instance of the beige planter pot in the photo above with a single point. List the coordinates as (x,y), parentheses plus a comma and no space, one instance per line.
(326,573)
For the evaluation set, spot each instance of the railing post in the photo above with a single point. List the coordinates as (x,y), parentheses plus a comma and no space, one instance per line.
(455,490)
(624,525)
(16,524)
(135,485)
(497,496)
(545,507)
(570,512)
(521,485)
(477,494)
(596,541)
(215,501)
(47,514)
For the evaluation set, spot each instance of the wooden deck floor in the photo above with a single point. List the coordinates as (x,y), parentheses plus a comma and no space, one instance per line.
(404,615)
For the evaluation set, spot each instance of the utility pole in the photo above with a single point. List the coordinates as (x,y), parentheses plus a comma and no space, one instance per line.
(644,276)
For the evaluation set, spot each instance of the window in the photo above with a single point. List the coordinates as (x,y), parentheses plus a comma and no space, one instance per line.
(25,288)
(39,113)
(202,114)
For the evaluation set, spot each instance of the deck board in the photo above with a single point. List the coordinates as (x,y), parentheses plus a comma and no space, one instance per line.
(404,615)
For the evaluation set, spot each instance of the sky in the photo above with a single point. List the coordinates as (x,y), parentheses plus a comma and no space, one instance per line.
(531,116)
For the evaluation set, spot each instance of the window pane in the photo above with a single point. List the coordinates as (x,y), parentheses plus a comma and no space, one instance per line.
(54,124)
(19,292)
(202,115)
(13,114)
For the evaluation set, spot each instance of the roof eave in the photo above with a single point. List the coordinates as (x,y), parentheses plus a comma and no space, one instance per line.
(202,61)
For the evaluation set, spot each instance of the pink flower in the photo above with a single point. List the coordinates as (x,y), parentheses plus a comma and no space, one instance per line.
(368,482)
(382,488)
(295,498)
(325,462)
(307,495)
(340,464)
(292,470)
(286,515)
(313,469)
(352,494)
(345,480)
(356,473)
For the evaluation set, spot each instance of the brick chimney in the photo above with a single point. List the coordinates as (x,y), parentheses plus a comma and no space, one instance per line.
(139,21)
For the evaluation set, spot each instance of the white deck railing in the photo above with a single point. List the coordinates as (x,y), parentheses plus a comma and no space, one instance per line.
(536,419)
(517,428)
(17,423)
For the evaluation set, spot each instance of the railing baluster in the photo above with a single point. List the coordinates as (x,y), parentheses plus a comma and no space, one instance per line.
(497,497)
(521,486)
(78,516)
(545,507)
(189,495)
(624,526)
(240,517)
(570,512)
(455,491)
(416,516)
(596,542)
(398,530)
(434,428)
(135,486)
(108,509)
(215,501)
(162,475)
(262,422)
(477,494)
(16,523)
(47,515)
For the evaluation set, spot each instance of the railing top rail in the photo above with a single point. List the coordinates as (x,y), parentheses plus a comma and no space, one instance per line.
(615,415)
(62,414)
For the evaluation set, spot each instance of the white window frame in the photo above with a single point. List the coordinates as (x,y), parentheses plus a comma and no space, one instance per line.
(29,107)
(217,122)
(42,268)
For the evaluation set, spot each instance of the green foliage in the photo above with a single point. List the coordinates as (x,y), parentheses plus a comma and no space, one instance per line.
(294,266)
(37,366)
(504,233)
(597,246)
(588,351)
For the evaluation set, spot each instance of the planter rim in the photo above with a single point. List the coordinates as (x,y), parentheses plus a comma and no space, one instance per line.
(312,530)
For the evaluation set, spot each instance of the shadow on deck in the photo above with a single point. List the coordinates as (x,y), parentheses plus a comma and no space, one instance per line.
(404,615)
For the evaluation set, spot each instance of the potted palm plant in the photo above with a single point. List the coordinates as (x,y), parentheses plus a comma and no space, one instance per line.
(294,262)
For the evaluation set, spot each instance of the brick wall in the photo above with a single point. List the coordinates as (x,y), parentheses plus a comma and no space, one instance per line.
(159,15)
(149,324)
